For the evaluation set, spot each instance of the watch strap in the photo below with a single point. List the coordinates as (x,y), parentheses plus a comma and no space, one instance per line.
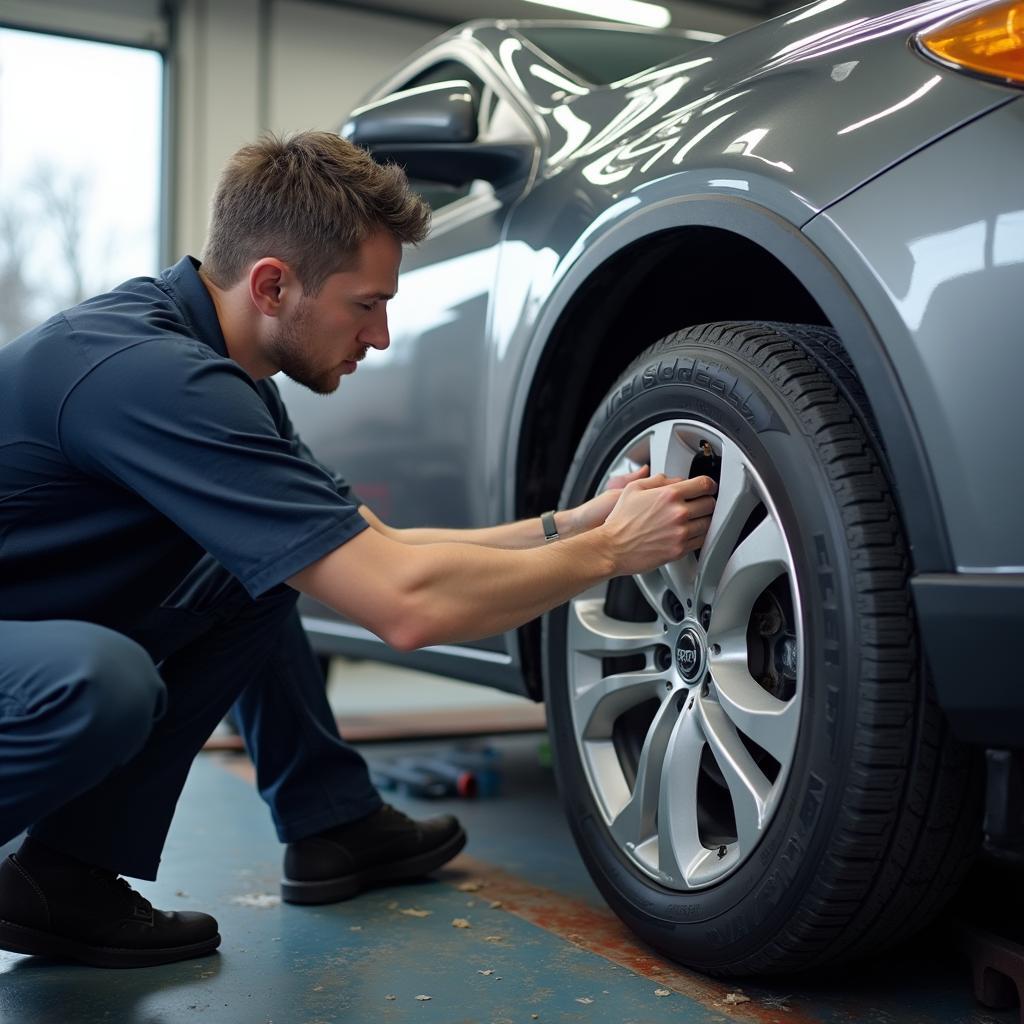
(547,520)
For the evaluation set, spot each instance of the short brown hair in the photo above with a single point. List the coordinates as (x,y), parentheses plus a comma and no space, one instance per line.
(310,200)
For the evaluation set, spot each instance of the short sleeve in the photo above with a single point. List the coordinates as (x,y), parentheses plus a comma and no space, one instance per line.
(188,432)
(275,403)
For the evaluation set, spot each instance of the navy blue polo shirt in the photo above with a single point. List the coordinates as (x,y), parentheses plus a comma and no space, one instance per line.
(130,444)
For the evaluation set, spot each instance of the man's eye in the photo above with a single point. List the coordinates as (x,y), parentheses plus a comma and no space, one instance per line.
(368,306)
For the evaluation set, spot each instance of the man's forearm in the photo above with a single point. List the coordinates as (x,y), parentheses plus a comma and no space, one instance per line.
(465,592)
(524,533)
(444,593)
(418,595)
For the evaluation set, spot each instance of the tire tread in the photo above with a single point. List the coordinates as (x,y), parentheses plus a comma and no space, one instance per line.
(903,839)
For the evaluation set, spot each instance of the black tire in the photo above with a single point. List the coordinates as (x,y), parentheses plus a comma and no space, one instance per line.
(879,814)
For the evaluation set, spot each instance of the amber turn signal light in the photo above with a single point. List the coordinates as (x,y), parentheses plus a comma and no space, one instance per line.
(989,42)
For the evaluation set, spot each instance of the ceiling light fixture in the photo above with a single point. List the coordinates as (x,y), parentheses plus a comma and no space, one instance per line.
(633,12)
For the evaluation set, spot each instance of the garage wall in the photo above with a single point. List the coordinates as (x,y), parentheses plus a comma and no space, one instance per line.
(324,59)
(248,65)
(135,22)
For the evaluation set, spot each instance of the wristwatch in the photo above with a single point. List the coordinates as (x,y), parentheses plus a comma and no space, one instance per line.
(547,520)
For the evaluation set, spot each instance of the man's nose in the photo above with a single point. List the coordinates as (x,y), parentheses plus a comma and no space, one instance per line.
(376,334)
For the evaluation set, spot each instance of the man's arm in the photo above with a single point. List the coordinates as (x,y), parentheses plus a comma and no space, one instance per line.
(524,533)
(416,596)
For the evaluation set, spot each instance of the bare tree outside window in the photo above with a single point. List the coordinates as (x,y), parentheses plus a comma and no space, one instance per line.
(64,207)
(16,293)
(79,172)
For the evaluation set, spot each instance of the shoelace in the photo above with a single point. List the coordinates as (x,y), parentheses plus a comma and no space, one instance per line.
(139,902)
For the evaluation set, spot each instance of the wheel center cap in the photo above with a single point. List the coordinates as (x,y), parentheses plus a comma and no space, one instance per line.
(690,655)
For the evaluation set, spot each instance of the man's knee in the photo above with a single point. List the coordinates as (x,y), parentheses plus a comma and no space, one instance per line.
(113,691)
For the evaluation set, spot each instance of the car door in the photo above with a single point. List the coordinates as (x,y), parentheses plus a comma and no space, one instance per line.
(407,429)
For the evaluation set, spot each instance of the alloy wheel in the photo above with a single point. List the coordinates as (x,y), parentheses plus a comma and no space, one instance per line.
(686,683)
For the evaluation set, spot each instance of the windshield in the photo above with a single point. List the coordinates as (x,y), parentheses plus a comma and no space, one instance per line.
(604,55)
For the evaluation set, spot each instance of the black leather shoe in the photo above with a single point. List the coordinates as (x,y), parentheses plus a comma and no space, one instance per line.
(53,905)
(384,848)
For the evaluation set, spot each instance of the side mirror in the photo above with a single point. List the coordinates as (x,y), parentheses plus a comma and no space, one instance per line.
(444,112)
(431,131)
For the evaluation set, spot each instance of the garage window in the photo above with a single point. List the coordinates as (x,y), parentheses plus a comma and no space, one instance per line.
(80,159)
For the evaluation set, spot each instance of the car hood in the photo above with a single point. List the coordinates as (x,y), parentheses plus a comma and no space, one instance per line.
(818,101)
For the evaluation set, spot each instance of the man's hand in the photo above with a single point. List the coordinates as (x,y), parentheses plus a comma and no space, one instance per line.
(657,520)
(594,512)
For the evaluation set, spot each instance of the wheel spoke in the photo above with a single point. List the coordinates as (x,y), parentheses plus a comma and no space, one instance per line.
(669,454)
(598,706)
(636,821)
(735,500)
(679,576)
(759,559)
(592,631)
(771,723)
(678,839)
(747,784)
(652,586)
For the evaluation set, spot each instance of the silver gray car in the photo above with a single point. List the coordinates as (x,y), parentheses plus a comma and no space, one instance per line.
(792,259)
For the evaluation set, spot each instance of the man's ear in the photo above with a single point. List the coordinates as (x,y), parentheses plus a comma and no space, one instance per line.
(270,283)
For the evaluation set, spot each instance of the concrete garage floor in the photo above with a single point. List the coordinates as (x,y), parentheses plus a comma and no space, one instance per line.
(540,945)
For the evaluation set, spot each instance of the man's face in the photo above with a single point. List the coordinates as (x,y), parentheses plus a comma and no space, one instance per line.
(326,335)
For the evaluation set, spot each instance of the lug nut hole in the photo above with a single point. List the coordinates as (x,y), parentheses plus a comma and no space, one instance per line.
(673,608)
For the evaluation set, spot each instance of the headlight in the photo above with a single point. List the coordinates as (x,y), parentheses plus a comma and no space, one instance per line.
(989,42)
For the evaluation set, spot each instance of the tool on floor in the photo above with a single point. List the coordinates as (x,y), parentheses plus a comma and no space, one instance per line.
(463,781)
(460,771)
(483,761)
(410,781)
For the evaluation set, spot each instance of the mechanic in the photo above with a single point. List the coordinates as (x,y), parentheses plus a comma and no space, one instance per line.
(158,519)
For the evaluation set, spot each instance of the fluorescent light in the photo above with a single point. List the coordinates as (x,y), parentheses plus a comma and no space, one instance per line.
(633,12)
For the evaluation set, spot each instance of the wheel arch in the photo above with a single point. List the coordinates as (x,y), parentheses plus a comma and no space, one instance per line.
(641,281)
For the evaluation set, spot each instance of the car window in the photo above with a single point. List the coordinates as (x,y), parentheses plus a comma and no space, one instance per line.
(605,55)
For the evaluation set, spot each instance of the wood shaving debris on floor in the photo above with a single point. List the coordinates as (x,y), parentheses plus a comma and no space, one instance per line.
(662,992)
(318,988)
(473,885)
(495,904)
(534,1016)
(460,922)
(493,938)
(490,970)
(356,928)
(423,999)
(413,912)
(263,900)
(390,997)
(735,998)
(585,1000)
(573,937)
